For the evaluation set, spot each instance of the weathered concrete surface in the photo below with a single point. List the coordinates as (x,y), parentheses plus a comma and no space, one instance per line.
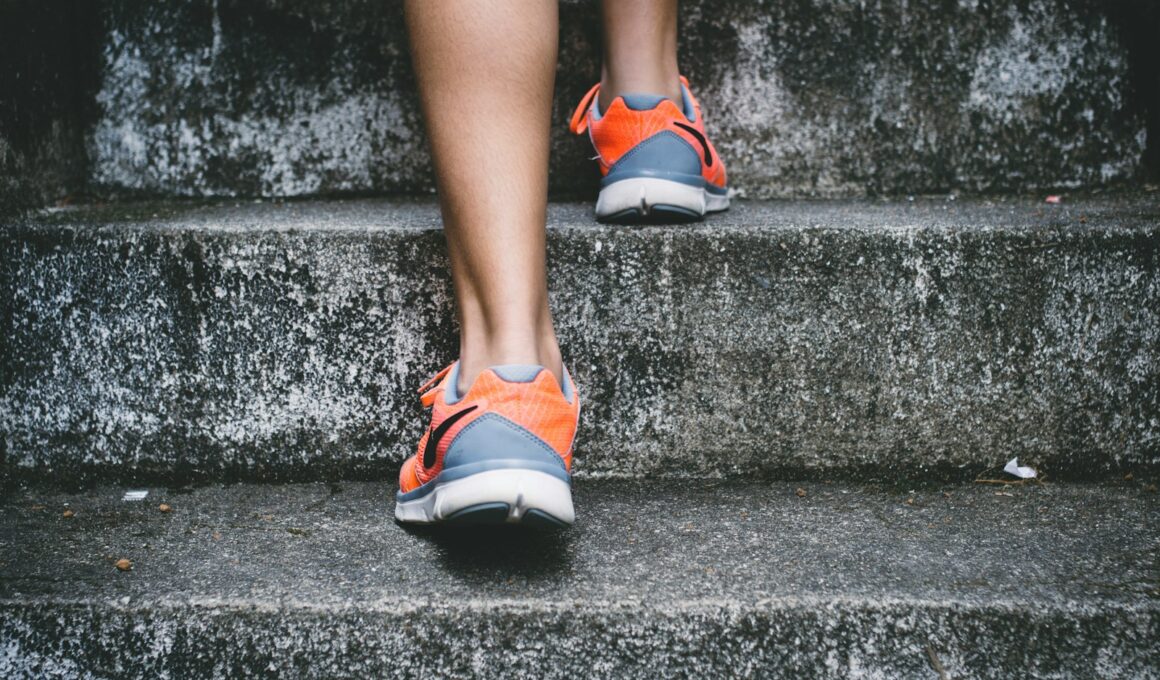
(934,337)
(819,98)
(655,580)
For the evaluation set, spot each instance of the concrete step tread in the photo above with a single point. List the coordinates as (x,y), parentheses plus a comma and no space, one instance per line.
(663,543)
(1082,213)
(950,562)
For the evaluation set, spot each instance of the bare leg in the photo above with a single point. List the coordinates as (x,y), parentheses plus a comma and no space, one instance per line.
(485,70)
(640,49)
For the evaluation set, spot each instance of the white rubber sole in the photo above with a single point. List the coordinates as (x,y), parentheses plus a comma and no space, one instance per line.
(644,196)
(530,497)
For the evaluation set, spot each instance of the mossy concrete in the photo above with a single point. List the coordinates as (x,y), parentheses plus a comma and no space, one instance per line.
(936,337)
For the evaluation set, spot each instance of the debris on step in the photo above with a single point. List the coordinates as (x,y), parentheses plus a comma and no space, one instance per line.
(1021,471)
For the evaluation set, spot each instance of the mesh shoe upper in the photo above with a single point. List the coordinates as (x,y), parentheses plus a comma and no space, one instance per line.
(620,130)
(532,405)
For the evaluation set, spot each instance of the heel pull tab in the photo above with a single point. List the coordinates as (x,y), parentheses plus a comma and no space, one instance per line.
(428,390)
(579,123)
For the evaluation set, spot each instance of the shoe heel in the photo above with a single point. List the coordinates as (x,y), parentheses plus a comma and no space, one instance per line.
(503,496)
(651,199)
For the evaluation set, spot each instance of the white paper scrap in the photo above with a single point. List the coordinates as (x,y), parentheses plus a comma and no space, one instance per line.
(135,495)
(1021,471)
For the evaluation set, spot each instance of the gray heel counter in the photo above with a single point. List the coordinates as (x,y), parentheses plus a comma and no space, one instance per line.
(493,437)
(663,153)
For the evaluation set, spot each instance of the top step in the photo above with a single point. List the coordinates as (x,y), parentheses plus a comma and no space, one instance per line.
(292,98)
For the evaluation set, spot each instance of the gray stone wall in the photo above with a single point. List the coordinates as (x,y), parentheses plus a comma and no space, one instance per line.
(932,338)
(804,98)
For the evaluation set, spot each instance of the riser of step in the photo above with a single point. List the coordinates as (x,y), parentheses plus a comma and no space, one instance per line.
(286,341)
(789,639)
(656,580)
(284,97)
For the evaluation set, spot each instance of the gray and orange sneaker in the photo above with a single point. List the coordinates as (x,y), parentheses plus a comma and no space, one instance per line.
(501,453)
(656,162)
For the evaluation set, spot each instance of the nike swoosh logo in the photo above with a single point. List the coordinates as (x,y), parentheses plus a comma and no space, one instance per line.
(429,453)
(700,138)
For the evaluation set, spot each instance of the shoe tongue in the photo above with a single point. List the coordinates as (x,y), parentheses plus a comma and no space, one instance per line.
(642,102)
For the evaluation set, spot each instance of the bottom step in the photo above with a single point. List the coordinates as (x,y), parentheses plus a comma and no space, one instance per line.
(656,579)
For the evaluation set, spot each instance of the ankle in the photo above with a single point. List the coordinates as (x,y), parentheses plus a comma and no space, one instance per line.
(476,357)
(661,81)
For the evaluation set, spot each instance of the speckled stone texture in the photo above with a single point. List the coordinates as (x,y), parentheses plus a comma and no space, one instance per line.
(285,341)
(659,579)
(814,98)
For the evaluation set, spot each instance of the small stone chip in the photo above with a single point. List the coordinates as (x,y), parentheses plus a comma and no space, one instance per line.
(910,501)
(68,513)
(164,507)
(124,565)
(801,493)
(217,535)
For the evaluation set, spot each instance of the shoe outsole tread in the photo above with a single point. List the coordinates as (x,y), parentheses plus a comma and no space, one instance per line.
(493,514)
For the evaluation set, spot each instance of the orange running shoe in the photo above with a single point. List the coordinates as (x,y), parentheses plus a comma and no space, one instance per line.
(501,453)
(656,162)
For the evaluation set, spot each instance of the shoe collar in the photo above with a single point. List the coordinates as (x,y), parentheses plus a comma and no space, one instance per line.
(589,108)
(447,381)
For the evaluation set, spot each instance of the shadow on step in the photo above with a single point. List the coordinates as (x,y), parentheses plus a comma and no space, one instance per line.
(505,552)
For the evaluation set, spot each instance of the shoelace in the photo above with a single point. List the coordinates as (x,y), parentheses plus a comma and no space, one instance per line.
(428,390)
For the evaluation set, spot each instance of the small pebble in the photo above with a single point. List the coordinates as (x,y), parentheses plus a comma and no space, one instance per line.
(164,507)
(68,513)
(910,501)
(124,564)
(801,493)
(1128,477)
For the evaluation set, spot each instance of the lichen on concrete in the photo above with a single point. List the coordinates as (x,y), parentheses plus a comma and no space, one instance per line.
(208,98)
(284,98)
(273,341)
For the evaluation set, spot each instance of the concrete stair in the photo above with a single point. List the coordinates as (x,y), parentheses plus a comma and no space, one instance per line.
(175,342)
(818,98)
(883,354)
(657,579)
(788,406)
